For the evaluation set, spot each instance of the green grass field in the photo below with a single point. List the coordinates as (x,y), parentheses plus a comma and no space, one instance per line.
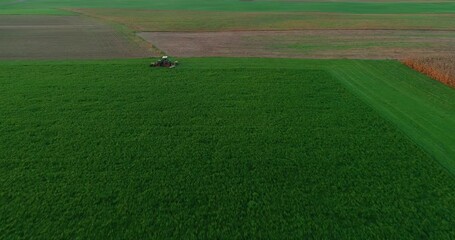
(231,148)
(422,108)
(237,5)
(224,148)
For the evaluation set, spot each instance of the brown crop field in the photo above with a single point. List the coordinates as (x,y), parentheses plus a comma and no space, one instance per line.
(63,37)
(353,44)
(441,68)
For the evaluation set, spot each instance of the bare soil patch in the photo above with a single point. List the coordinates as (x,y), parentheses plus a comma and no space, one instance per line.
(353,44)
(62,37)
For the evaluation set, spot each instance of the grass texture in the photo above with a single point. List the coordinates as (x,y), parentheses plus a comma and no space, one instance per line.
(422,108)
(219,148)
(159,20)
(47,11)
(236,5)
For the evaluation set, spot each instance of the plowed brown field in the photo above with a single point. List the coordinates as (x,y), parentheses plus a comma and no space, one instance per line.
(353,44)
(62,37)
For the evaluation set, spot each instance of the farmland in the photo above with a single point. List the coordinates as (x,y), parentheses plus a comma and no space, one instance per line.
(62,37)
(363,7)
(203,21)
(288,34)
(441,68)
(320,44)
(267,33)
(284,119)
(98,147)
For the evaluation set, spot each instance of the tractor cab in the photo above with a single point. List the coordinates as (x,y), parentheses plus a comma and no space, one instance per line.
(164,62)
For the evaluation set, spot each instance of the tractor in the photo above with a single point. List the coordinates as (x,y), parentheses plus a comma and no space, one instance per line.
(164,62)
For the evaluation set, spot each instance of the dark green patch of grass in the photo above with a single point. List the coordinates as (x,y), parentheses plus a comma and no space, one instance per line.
(248,6)
(124,151)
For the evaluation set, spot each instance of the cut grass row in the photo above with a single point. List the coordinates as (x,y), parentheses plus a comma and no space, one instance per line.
(153,20)
(217,148)
(316,44)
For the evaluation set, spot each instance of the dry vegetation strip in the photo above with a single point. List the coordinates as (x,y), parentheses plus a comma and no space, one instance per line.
(150,20)
(62,37)
(441,68)
(354,44)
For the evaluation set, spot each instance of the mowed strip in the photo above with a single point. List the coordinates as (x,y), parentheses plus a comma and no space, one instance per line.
(421,107)
(335,44)
(62,37)
(180,20)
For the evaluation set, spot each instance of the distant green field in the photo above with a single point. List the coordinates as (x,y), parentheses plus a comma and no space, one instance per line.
(237,5)
(222,148)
